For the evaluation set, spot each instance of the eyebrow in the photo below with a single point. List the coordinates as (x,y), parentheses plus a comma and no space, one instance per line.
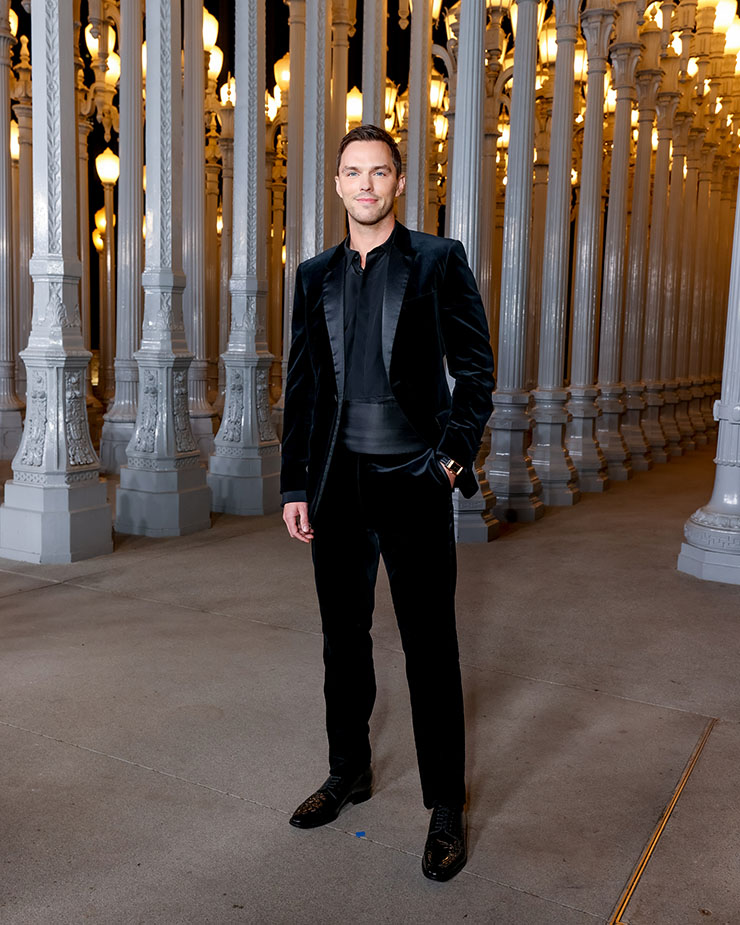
(375,167)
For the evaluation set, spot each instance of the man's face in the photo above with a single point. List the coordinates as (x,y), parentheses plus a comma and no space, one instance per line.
(367,182)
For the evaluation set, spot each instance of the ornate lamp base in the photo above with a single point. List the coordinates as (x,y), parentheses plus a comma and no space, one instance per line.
(55,524)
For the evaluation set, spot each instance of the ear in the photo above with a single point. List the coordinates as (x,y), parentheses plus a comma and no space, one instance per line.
(401,185)
(336,187)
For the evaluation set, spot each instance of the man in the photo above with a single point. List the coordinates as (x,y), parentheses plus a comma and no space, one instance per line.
(373,443)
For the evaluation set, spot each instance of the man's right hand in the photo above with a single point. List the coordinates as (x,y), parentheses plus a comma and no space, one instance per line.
(295,515)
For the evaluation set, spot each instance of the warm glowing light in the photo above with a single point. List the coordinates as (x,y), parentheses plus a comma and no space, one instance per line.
(97,239)
(284,255)
(654,139)
(402,105)
(143,60)
(354,106)
(692,68)
(732,39)
(548,42)
(271,106)
(215,63)
(15,146)
(113,71)
(634,118)
(436,9)
(580,63)
(13,21)
(219,222)
(441,127)
(436,90)
(210,30)
(228,93)
(143,227)
(389,122)
(573,176)
(725,13)
(706,4)
(107,165)
(391,92)
(93,44)
(677,44)
(653,11)
(611,99)
(503,138)
(282,72)
(100,222)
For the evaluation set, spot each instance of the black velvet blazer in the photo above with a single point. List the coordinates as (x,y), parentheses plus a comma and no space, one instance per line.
(431,311)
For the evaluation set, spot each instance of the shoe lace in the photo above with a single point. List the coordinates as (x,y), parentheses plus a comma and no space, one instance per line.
(442,819)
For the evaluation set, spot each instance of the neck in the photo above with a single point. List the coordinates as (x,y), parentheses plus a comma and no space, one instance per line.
(363,238)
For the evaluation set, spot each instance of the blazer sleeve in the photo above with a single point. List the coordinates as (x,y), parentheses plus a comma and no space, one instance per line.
(469,359)
(300,392)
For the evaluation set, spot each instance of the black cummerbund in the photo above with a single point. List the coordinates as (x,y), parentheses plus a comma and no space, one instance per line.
(377,427)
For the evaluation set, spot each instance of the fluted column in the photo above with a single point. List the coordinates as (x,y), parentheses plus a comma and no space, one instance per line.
(648,82)
(543,127)
(202,413)
(418,114)
(163,491)
(341,23)
(550,457)
(583,448)
(244,467)
(667,105)
(690,244)
(712,547)
(374,51)
(24,285)
(55,507)
(212,170)
(662,448)
(713,310)
(624,56)
(474,518)
(294,183)
(699,306)
(683,236)
(315,153)
(510,471)
(226,144)
(10,404)
(119,420)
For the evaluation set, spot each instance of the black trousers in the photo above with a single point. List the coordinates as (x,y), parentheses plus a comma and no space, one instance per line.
(400,507)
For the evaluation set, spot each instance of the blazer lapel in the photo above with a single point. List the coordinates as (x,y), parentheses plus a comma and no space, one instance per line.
(333,299)
(399,268)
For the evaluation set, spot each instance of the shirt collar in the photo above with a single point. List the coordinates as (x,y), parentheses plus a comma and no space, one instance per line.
(385,247)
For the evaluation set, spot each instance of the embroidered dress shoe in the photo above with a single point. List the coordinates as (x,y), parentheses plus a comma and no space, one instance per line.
(331,798)
(445,852)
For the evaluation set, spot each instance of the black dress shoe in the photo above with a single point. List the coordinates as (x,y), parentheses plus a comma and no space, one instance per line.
(445,853)
(331,798)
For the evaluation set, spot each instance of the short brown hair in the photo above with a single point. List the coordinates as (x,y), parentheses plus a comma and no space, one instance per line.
(371,133)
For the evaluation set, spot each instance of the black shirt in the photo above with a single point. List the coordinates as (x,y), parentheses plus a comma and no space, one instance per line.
(366,378)
(372,420)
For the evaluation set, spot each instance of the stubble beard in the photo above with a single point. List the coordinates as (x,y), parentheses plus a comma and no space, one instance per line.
(368,221)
